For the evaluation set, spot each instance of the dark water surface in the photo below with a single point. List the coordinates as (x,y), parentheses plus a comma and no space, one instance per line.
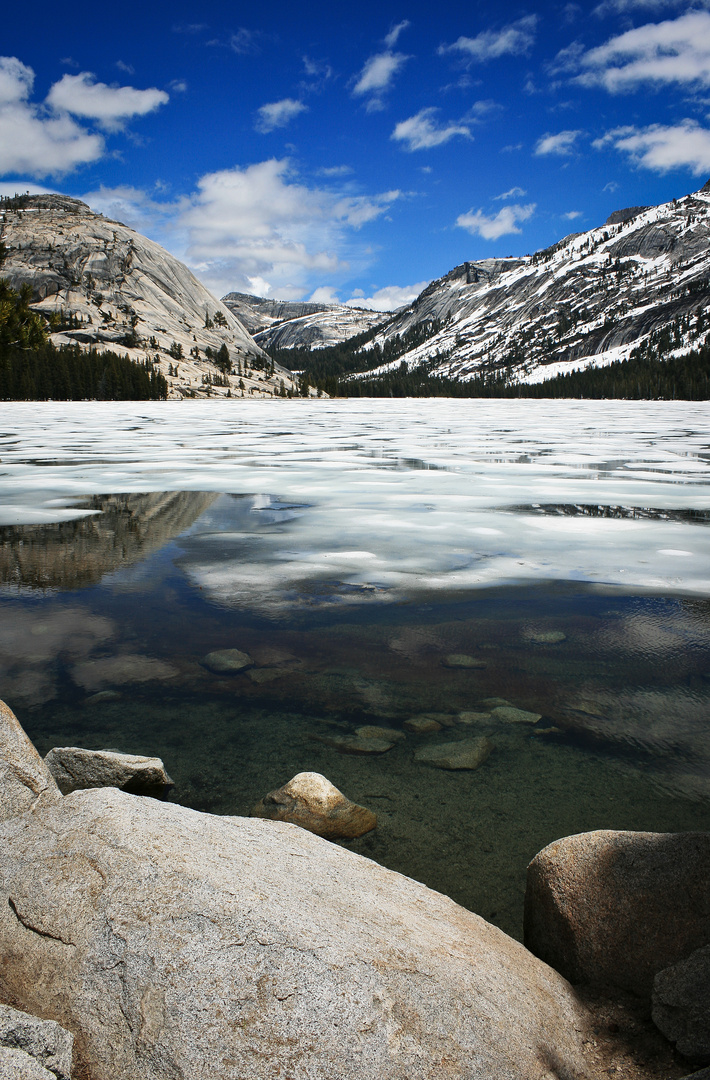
(104,621)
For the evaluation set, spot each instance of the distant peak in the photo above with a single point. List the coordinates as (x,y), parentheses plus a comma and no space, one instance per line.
(620,216)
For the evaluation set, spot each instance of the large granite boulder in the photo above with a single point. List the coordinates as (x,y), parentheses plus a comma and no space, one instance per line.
(75,768)
(33,1046)
(618,907)
(681,1005)
(25,780)
(173,944)
(311,801)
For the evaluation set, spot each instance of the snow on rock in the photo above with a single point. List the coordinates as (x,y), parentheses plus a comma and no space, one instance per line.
(281,324)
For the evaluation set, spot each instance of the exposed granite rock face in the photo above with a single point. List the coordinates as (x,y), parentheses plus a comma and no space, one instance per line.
(258,313)
(111,287)
(47,1045)
(75,769)
(25,780)
(589,299)
(618,907)
(311,801)
(681,1005)
(176,944)
(318,331)
(17,1065)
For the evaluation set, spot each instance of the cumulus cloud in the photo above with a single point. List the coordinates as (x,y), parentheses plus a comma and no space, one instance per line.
(663,147)
(277,114)
(262,222)
(32,140)
(514,193)
(325,294)
(388,298)
(516,39)
(561,144)
(675,51)
(109,106)
(501,224)
(378,75)
(422,131)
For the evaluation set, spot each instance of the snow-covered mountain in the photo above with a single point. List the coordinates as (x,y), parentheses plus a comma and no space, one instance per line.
(642,277)
(102,284)
(285,324)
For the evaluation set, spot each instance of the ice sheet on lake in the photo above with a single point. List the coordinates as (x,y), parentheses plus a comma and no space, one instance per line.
(388,497)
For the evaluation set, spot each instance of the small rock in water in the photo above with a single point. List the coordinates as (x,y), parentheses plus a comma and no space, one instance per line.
(511,715)
(371,731)
(494,702)
(462,660)
(467,754)
(102,696)
(545,637)
(76,769)
(422,725)
(311,801)
(266,675)
(120,670)
(224,661)
(351,744)
(470,717)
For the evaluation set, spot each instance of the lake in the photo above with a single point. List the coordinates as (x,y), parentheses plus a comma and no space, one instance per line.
(379,560)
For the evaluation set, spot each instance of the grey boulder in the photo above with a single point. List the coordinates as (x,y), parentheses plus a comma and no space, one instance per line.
(173,944)
(46,1045)
(618,907)
(25,780)
(74,768)
(681,1005)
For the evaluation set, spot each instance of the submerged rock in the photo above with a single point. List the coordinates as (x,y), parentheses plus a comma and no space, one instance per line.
(119,670)
(372,731)
(25,779)
(462,660)
(311,801)
(46,1046)
(226,661)
(422,725)
(618,907)
(74,769)
(466,754)
(354,744)
(681,1005)
(173,943)
(469,716)
(511,715)
(545,637)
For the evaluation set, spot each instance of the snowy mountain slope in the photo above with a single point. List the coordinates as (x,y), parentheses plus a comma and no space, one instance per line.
(102,284)
(289,324)
(588,300)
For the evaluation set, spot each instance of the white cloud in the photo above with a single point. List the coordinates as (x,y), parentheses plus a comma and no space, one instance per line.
(110,106)
(675,51)
(377,76)
(421,132)
(661,148)
(392,37)
(335,170)
(572,215)
(562,143)
(326,294)
(21,187)
(33,141)
(491,228)
(389,298)
(243,42)
(278,114)
(514,193)
(623,7)
(515,39)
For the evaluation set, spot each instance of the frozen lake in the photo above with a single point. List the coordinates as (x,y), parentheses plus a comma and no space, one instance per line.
(351,548)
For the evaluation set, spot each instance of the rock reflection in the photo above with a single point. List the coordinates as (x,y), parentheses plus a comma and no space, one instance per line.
(118,531)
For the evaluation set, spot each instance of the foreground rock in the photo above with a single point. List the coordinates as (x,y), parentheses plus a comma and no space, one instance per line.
(311,801)
(25,780)
(465,754)
(681,1005)
(32,1047)
(618,907)
(74,768)
(177,944)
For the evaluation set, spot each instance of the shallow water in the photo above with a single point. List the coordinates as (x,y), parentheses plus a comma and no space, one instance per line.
(350,548)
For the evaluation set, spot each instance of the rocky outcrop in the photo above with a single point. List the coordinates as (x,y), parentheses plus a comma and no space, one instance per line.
(25,780)
(104,285)
(75,769)
(173,943)
(619,907)
(259,313)
(313,803)
(589,299)
(681,1005)
(321,329)
(32,1047)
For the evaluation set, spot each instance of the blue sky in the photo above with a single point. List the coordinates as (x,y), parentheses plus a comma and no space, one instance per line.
(346,153)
